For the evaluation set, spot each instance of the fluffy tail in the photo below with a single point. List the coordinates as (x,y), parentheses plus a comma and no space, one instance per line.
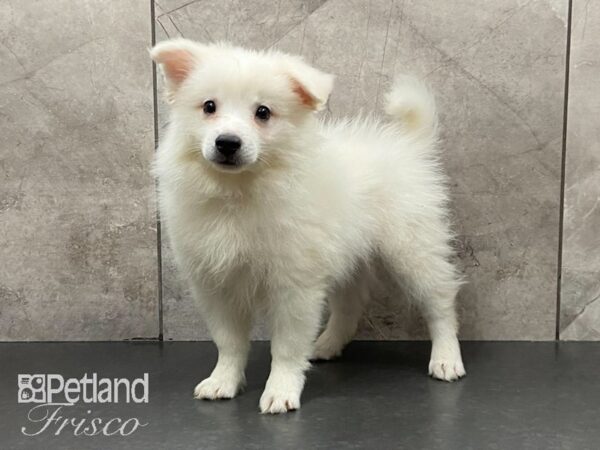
(411,103)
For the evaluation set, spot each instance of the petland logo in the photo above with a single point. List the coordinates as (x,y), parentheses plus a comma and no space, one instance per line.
(54,397)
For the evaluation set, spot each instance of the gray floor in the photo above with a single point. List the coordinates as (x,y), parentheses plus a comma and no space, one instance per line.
(516,396)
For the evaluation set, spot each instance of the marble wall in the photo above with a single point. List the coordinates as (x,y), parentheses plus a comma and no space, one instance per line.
(580,290)
(77,212)
(499,84)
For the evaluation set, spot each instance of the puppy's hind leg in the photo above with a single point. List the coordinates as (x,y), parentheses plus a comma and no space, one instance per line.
(346,305)
(421,262)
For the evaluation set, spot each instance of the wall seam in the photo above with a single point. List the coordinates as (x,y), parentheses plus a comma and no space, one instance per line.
(563,171)
(158,222)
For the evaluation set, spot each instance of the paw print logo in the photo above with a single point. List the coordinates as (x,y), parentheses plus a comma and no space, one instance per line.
(32,388)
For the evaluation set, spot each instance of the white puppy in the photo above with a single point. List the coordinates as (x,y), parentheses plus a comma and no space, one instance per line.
(271,210)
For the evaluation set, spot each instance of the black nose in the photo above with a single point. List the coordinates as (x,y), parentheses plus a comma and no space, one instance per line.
(228,144)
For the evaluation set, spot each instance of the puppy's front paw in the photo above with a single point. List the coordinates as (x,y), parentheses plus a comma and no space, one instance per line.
(274,401)
(447,369)
(215,387)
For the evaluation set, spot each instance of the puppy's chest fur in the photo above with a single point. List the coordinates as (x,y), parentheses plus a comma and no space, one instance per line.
(247,242)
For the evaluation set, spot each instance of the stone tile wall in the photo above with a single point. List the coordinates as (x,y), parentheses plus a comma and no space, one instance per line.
(77,208)
(580,287)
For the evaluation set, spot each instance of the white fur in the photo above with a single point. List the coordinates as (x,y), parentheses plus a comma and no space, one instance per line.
(300,221)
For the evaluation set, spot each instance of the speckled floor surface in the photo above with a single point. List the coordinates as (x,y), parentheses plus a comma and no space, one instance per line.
(515,396)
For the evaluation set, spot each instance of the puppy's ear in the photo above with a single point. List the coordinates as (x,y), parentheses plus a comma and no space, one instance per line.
(311,86)
(177,58)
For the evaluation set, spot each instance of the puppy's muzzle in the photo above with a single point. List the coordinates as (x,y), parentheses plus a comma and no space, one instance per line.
(228,145)
(229,152)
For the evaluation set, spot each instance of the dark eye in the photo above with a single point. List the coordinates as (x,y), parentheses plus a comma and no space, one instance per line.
(263,113)
(209,107)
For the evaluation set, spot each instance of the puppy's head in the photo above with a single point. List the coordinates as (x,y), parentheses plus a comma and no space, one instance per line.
(241,109)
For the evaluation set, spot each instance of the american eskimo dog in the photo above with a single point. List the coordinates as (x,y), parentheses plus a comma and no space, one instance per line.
(273,211)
